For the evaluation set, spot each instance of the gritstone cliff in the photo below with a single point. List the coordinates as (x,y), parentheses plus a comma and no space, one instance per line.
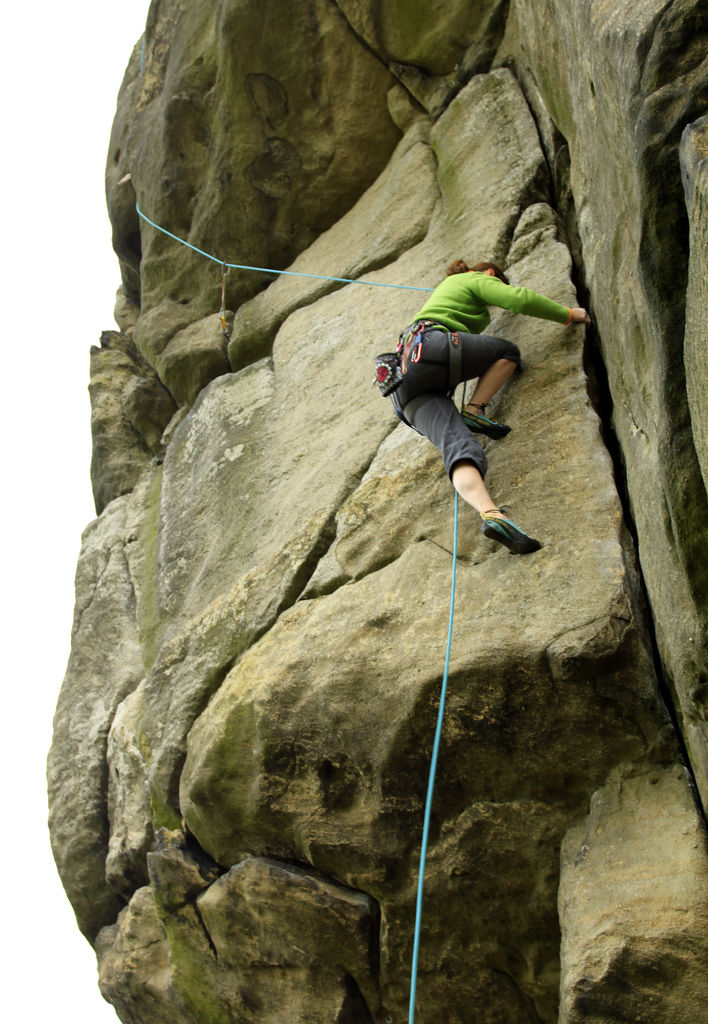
(242,739)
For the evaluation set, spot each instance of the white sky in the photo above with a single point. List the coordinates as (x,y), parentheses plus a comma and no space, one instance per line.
(61,68)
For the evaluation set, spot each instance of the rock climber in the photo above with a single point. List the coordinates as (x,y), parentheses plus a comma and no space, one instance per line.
(449,329)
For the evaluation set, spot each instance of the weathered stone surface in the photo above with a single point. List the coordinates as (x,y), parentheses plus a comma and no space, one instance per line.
(402,499)
(392,216)
(419,36)
(693,151)
(621,82)
(126,311)
(104,667)
(433,56)
(287,569)
(195,355)
(490,167)
(249,158)
(317,938)
(338,738)
(129,813)
(262,937)
(694,164)
(255,547)
(129,411)
(692,695)
(133,962)
(634,904)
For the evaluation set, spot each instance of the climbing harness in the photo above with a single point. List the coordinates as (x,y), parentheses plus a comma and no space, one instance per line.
(431,774)
(391,367)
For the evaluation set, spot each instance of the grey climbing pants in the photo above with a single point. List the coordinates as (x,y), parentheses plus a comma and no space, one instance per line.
(437,418)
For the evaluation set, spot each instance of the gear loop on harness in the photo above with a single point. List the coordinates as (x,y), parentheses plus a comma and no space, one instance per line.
(454,376)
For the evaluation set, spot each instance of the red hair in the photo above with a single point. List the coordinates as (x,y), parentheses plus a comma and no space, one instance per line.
(460,267)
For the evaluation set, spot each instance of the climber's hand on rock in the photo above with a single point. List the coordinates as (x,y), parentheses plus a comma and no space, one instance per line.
(579,316)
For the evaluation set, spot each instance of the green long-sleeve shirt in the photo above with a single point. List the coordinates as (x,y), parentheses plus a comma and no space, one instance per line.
(460,302)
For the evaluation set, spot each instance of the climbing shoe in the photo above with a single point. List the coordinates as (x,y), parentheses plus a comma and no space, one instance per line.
(508,533)
(481,424)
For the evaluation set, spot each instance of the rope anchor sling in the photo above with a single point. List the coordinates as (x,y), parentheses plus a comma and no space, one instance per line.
(222,312)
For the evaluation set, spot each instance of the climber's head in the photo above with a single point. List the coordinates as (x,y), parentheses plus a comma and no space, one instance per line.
(491,269)
(457,267)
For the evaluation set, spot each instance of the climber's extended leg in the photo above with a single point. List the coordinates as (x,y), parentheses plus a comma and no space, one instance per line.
(494,378)
(487,386)
(467,481)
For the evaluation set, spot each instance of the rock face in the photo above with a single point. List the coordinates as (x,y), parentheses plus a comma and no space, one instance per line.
(130,408)
(243,737)
(249,131)
(640,839)
(625,90)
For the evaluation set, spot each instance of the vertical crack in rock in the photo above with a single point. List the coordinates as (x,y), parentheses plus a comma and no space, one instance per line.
(533,1016)
(599,390)
(355,1009)
(600,395)
(200,919)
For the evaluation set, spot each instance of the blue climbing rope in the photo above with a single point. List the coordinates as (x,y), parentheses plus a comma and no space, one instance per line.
(431,777)
(443,690)
(268,270)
